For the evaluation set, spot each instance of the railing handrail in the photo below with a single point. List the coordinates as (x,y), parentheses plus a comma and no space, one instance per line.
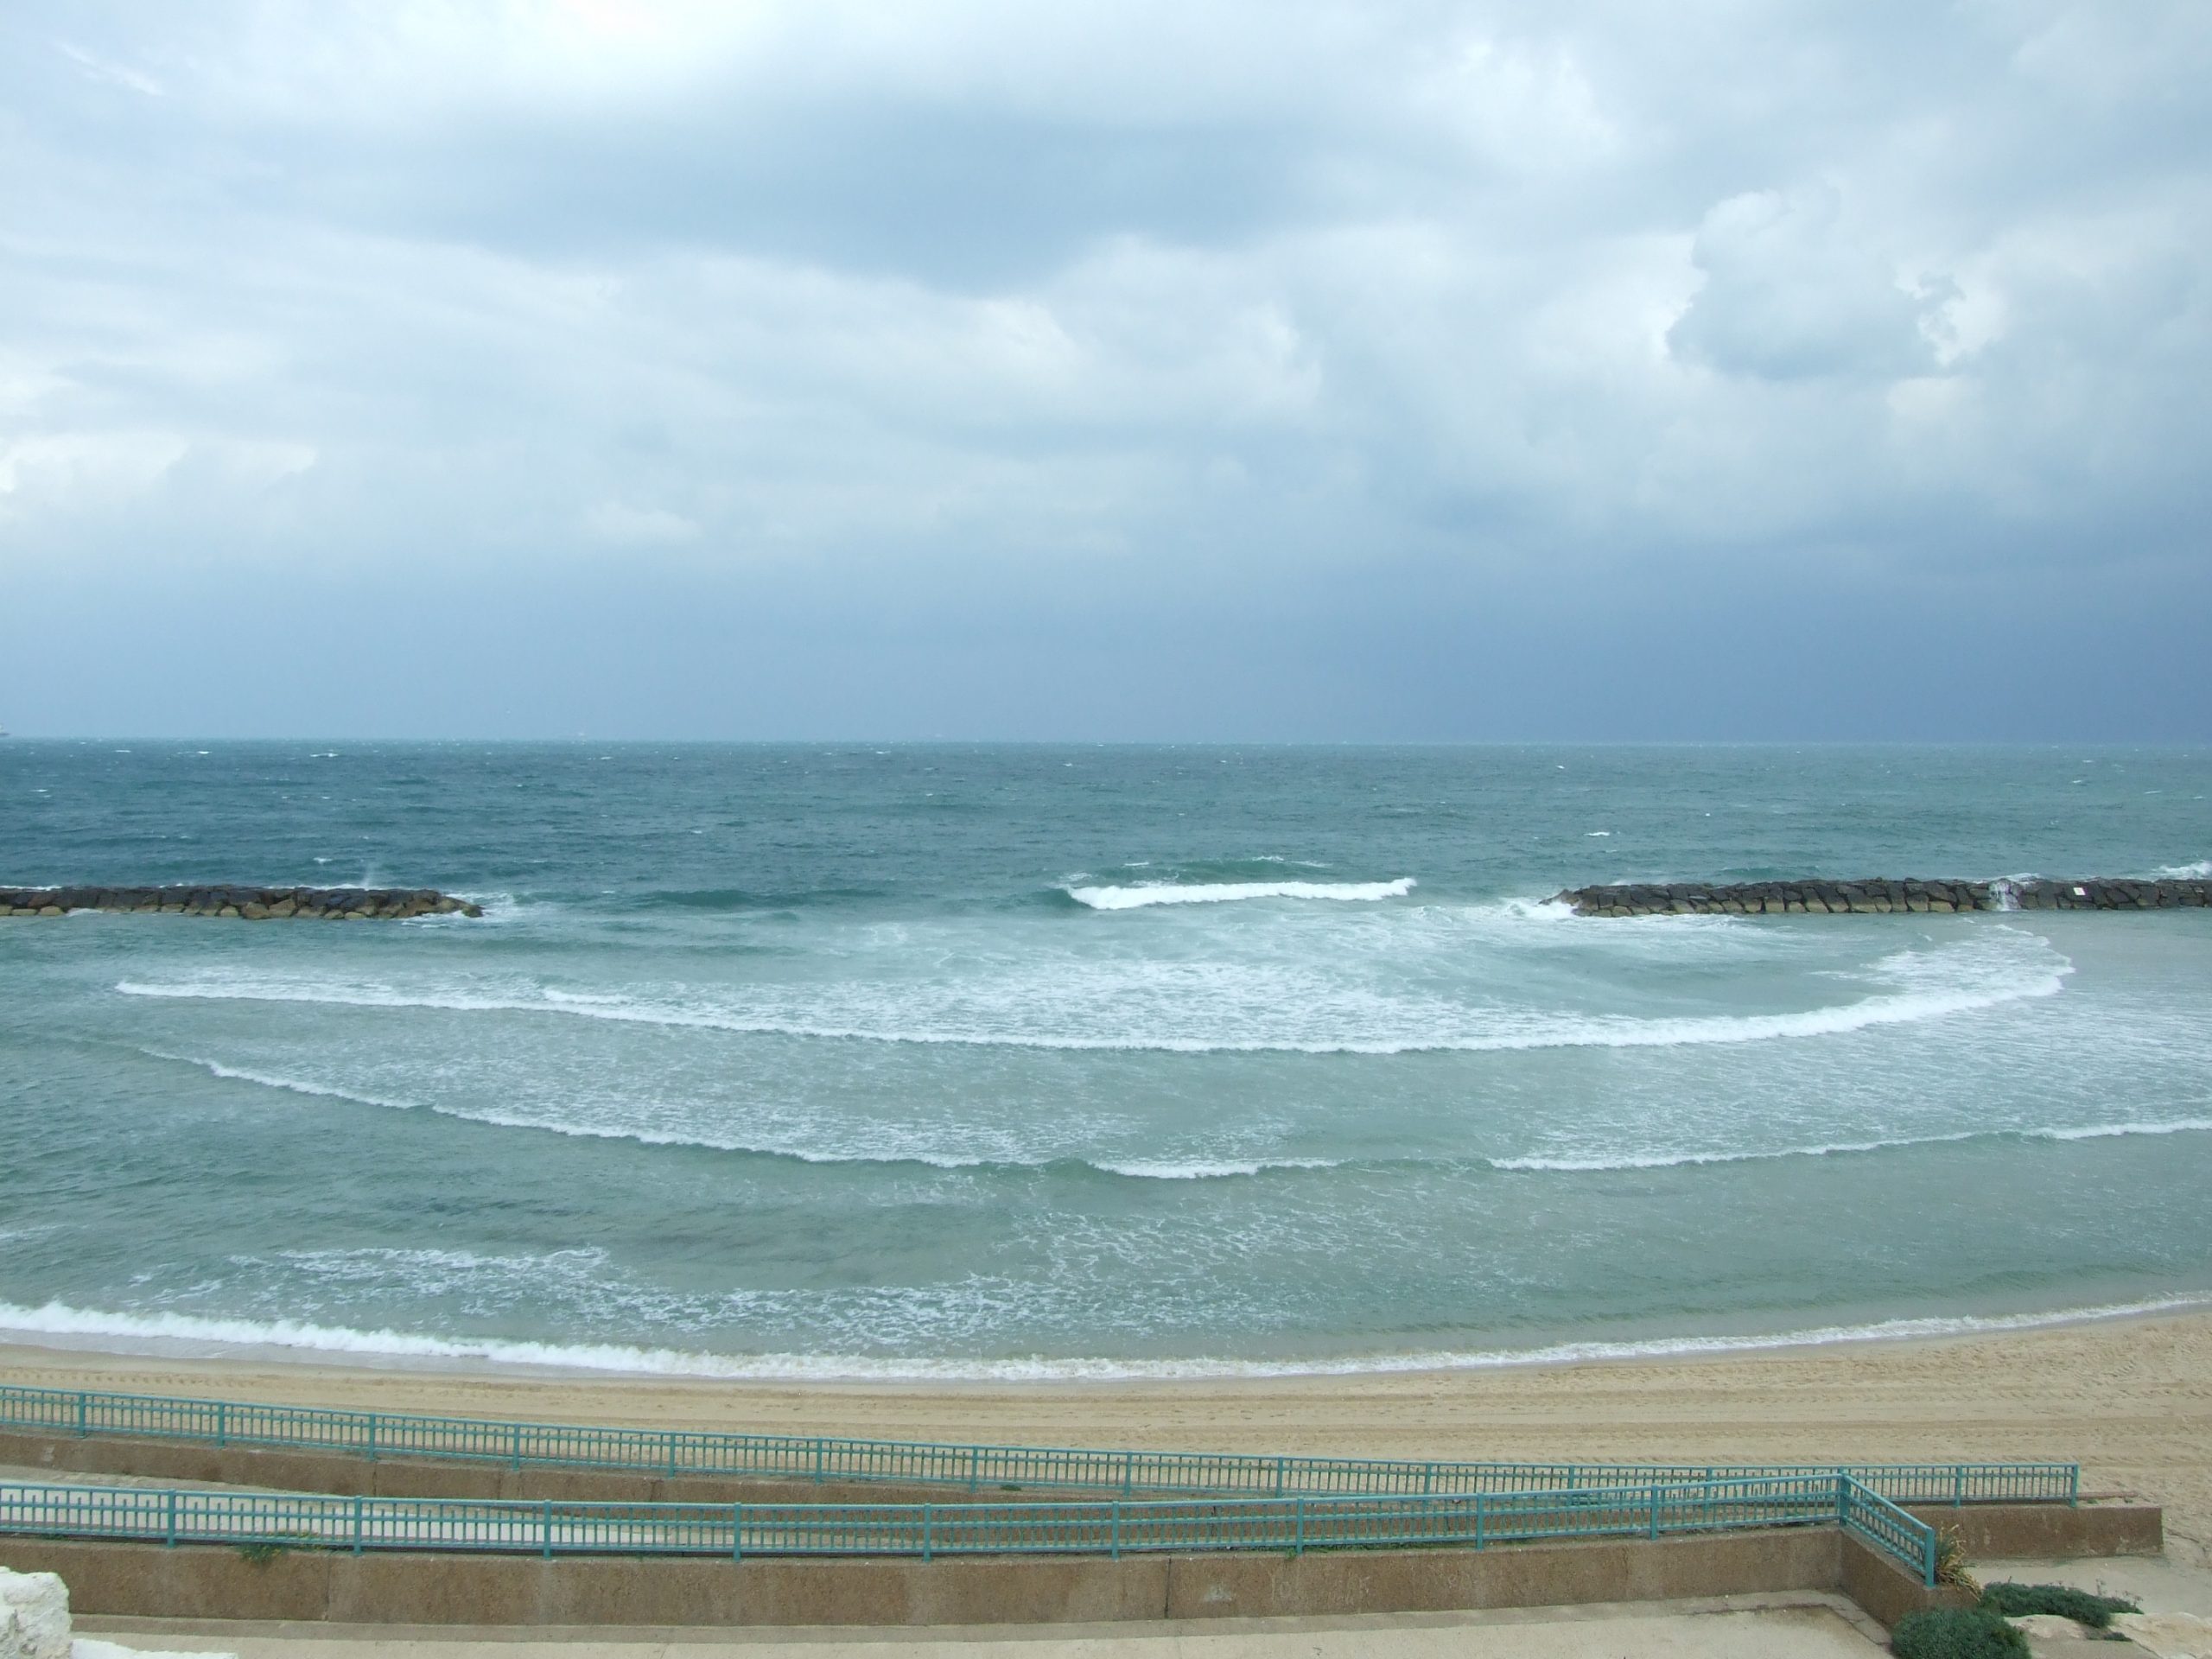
(1874,1518)
(823,1457)
(1300,1523)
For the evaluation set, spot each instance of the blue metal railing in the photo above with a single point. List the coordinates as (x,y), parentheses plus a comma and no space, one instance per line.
(1115,1527)
(679,1452)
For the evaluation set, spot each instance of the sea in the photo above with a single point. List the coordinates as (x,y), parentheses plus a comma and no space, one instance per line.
(955,1062)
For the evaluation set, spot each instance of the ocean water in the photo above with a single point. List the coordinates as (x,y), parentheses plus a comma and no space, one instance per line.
(947,1061)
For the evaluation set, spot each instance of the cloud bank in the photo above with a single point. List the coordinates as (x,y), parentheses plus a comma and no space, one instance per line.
(1260,370)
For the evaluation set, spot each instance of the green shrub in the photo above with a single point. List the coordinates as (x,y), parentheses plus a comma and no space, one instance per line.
(2095,1611)
(1957,1633)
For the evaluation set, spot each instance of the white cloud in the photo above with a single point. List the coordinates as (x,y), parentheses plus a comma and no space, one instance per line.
(1004,284)
(112,74)
(627,526)
(1793,287)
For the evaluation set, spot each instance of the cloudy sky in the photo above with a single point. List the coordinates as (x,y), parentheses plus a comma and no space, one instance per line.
(983,368)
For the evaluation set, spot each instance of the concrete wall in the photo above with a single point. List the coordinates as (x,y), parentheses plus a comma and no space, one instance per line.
(214,1582)
(1984,1529)
(1885,1589)
(2008,1531)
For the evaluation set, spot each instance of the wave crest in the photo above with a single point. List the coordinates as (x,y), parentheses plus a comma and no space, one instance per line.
(1593,1163)
(90,1327)
(1147,894)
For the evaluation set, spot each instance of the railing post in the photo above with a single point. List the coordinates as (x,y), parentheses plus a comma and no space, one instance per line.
(222,1422)
(545,1525)
(928,1527)
(671,1454)
(83,1414)
(1115,1536)
(1278,1476)
(817,1459)
(372,1437)
(1428,1480)
(1128,1466)
(1299,1547)
(1480,1505)
(737,1532)
(974,1467)
(357,1523)
(169,1529)
(2073,1485)
(1958,1484)
(1654,1511)
(517,1448)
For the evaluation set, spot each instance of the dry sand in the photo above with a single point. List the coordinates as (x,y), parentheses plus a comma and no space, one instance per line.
(2130,1399)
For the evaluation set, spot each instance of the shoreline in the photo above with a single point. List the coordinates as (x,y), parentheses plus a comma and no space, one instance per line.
(170,1339)
(2129,1398)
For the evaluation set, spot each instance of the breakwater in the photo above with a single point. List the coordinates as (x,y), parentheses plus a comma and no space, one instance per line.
(248,904)
(1881,897)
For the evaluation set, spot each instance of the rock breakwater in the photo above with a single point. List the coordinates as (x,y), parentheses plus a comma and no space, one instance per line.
(1881,897)
(247,904)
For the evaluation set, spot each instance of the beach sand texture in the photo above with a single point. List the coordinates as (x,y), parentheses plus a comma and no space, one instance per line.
(2131,1400)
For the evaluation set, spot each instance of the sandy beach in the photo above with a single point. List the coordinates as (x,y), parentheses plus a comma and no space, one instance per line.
(2131,1400)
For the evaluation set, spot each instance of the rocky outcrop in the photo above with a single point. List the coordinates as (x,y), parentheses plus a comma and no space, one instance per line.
(247,904)
(34,1616)
(1880,896)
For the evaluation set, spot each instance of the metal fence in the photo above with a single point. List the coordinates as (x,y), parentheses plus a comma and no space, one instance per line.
(1113,1527)
(676,1453)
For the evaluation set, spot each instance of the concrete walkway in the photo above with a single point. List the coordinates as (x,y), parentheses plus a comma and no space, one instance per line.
(2158,1584)
(1802,1625)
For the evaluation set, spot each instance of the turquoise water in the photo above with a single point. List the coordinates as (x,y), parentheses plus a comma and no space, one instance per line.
(937,1060)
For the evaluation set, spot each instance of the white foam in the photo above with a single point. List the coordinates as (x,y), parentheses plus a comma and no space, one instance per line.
(1600,1161)
(2100,1131)
(1596,1162)
(1999,969)
(1133,1169)
(1217,892)
(2200,871)
(270,1080)
(1206,1169)
(170,1331)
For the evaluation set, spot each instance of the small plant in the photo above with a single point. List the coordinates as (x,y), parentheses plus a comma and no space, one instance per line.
(262,1552)
(1951,1563)
(2080,1606)
(1957,1633)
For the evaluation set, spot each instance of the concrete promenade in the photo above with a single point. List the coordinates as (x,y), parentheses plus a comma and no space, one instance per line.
(1790,1625)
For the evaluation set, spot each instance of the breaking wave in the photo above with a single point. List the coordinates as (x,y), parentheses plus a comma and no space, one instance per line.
(170,1331)
(1172,1017)
(1188,1167)
(1593,1162)
(1147,894)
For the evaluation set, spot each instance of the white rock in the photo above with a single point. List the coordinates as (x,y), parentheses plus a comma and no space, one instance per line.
(85,1648)
(2170,1635)
(34,1616)
(2048,1627)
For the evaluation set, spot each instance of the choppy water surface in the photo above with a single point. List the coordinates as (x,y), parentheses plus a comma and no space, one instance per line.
(941,1060)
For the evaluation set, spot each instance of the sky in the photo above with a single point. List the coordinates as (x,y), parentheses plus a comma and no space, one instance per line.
(1260,370)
